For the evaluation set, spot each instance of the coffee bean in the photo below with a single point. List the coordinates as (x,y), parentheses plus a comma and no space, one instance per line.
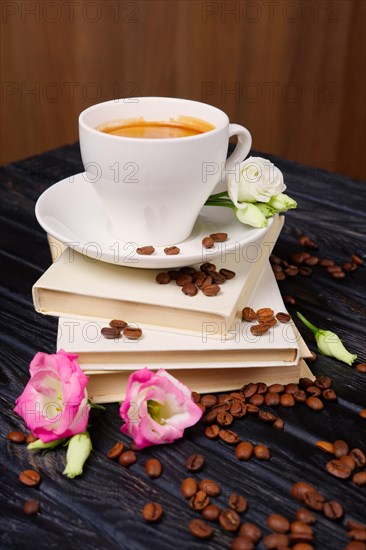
(209,417)
(207,267)
(208,242)
(275,540)
(313,260)
(152,512)
(145,250)
(280,276)
(287,400)
(329,395)
(292,270)
(30,478)
(299,526)
(238,408)
(283,317)
(210,487)
(196,397)
(218,237)
(229,437)
(300,396)
(300,258)
(127,458)
(249,390)
(171,250)
(237,502)
(262,452)
(132,333)
(173,274)
(272,399)
(338,275)
(206,281)
(242,543)
(189,289)
(133,447)
(314,403)
(217,278)
(349,266)
(278,523)
(268,322)
(304,515)
(224,418)
(199,501)
(153,468)
(356,259)
(16,437)
(361,367)
(340,448)
(257,400)
(305,271)
(307,242)
(314,391)
(183,279)
(276,388)
(322,382)
(229,520)
(259,330)
(31,507)
(211,512)
(212,432)
(288,299)
(359,457)
(325,446)
(314,500)
(31,438)
(211,290)
(352,524)
(251,531)
(274,259)
(301,541)
(359,479)
(252,409)
(291,388)
(355,545)
(116,451)
(188,270)
(209,400)
(358,534)
(362,414)
(265,312)
(195,462)
(162,278)
(266,416)
(118,323)
(189,487)
(349,461)
(333,509)
(200,529)
(111,333)
(338,469)
(278,424)
(248,314)
(300,489)
(244,450)
(227,273)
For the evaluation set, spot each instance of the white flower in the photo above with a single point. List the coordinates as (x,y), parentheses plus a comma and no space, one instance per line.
(282,202)
(258,180)
(78,450)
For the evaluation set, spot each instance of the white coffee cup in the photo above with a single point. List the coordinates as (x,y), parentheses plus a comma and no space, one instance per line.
(153,189)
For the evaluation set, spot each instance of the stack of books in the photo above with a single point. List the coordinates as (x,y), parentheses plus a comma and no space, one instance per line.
(201,340)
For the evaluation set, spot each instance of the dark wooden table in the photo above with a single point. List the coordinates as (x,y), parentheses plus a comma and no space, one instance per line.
(101,509)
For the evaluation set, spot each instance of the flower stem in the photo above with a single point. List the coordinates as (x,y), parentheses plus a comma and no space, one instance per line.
(223,194)
(220,203)
(307,323)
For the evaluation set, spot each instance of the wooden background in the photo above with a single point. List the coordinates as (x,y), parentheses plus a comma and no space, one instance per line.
(291,71)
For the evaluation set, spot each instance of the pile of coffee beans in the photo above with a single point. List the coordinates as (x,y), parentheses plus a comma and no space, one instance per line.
(209,242)
(118,328)
(308,495)
(206,279)
(302,263)
(264,318)
(345,461)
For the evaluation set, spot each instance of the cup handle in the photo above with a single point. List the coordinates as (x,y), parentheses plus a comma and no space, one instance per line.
(238,155)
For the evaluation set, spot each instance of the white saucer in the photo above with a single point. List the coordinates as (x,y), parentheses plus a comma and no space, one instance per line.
(70,211)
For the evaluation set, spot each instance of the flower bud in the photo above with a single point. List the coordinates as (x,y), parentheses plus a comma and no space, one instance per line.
(38,445)
(329,343)
(251,215)
(282,202)
(78,450)
(266,209)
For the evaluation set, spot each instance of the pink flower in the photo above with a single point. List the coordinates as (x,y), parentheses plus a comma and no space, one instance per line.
(54,403)
(157,408)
